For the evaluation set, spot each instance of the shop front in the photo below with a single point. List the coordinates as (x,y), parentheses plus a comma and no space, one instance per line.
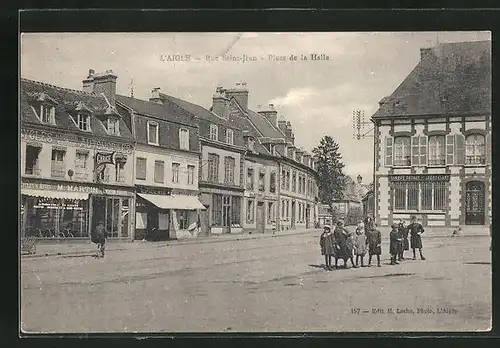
(69,211)
(162,214)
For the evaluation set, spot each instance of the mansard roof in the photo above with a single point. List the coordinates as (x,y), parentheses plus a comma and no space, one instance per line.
(66,103)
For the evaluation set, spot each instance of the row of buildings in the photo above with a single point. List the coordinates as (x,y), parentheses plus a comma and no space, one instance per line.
(155,169)
(432,141)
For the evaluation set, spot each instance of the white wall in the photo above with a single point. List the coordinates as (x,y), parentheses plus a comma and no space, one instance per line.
(222,153)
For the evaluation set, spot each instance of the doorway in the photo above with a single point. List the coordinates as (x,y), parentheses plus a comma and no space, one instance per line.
(226,214)
(293,215)
(205,220)
(152,225)
(260,217)
(474,203)
(308,214)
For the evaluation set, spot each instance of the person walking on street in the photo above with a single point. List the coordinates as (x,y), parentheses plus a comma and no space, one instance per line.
(374,241)
(99,236)
(360,243)
(326,241)
(395,243)
(416,230)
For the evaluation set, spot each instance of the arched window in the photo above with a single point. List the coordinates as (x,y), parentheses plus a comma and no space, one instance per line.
(402,151)
(475,149)
(437,150)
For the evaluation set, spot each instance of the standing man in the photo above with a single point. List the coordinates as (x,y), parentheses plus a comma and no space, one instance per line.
(403,234)
(395,243)
(416,230)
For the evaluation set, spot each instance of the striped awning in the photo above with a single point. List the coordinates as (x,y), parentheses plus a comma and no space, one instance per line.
(180,202)
(55,194)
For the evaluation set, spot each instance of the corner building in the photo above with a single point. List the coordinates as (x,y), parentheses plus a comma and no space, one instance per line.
(433,140)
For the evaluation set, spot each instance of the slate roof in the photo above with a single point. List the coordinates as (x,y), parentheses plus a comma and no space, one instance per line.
(454,78)
(264,126)
(66,101)
(166,111)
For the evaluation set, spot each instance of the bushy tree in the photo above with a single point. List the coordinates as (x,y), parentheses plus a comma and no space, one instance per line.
(329,166)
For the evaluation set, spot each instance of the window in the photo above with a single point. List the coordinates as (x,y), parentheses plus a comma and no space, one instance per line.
(152,133)
(294,181)
(216,210)
(450,149)
(426,196)
(235,210)
(229,163)
(270,212)
(159,173)
(229,136)
(190,179)
(81,170)
(103,175)
(213,167)
(475,149)
(140,168)
(283,179)
(184,139)
(272,183)
(262,181)
(48,114)
(175,172)
(113,126)
(250,211)
(283,209)
(120,170)
(214,132)
(57,169)
(388,152)
(249,179)
(436,150)
(288,180)
(83,121)
(32,160)
(402,151)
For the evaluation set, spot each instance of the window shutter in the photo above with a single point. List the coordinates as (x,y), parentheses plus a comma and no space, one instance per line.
(388,151)
(415,153)
(450,149)
(423,150)
(488,148)
(459,149)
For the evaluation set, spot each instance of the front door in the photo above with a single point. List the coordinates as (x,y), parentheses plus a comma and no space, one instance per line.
(226,214)
(260,217)
(474,203)
(308,211)
(293,215)
(153,224)
(204,221)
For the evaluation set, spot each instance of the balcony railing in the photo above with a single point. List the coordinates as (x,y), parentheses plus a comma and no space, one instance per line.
(57,170)
(32,170)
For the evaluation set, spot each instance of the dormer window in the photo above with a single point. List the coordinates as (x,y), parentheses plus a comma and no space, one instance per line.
(229,136)
(152,133)
(113,126)
(47,113)
(214,132)
(83,121)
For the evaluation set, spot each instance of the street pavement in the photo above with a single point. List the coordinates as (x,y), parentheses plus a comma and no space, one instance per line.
(257,285)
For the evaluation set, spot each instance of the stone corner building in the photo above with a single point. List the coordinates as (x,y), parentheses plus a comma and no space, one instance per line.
(433,140)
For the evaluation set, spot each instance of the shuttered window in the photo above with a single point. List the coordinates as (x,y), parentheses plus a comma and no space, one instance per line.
(459,149)
(388,152)
(450,149)
(423,151)
(415,153)
(140,168)
(159,171)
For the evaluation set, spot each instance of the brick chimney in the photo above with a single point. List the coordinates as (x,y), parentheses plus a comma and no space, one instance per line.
(220,103)
(155,96)
(240,93)
(106,83)
(88,83)
(282,126)
(270,113)
(288,132)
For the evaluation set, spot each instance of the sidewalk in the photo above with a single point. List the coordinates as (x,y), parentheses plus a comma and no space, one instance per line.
(47,249)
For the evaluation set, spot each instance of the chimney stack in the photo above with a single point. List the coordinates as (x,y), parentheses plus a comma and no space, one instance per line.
(271,114)
(105,83)
(88,83)
(155,96)
(220,103)
(240,93)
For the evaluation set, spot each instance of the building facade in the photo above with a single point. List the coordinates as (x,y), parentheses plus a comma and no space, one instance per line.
(76,161)
(166,168)
(433,140)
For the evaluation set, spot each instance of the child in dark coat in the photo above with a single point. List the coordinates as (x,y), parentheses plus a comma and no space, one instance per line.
(395,243)
(374,241)
(326,242)
(99,236)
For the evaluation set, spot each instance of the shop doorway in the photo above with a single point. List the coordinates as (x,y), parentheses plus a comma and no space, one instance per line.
(205,221)
(152,225)
(293,215)
(474,203)
(113,212)
(260,217)
(226,214)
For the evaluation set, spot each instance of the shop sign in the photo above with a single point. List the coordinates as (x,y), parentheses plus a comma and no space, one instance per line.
(420,177)
(74,141)
(73,188)
(104,158)
(154,191)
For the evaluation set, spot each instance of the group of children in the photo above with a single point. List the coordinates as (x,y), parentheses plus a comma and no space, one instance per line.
(342,244)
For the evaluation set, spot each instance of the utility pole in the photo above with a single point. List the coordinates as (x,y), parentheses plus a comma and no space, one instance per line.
(358,125)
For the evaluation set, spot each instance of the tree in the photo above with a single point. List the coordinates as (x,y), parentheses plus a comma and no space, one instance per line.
(331,178)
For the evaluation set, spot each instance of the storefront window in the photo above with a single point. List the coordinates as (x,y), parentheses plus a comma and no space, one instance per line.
(125,217)
(235,210)
(113,212)
(55,218)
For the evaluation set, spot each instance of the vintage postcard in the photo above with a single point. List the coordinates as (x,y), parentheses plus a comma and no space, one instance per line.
(255,182)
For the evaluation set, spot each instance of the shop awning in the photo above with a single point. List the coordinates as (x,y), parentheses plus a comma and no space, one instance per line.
(180,202)
(55,194)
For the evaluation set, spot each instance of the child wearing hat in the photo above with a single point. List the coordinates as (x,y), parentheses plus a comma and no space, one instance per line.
(99,236)
(326,242)
(395,243)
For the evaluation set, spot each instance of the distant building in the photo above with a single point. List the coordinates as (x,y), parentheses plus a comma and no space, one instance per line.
(432,140)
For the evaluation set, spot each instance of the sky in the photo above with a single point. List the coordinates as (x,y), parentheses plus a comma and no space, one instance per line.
(318,97)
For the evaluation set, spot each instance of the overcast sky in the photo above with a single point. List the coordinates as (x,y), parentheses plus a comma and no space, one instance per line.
(317,97)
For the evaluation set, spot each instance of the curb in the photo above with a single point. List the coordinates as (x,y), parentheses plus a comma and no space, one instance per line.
(204,240)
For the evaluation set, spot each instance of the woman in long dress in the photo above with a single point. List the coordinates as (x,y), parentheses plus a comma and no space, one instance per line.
(344,245)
